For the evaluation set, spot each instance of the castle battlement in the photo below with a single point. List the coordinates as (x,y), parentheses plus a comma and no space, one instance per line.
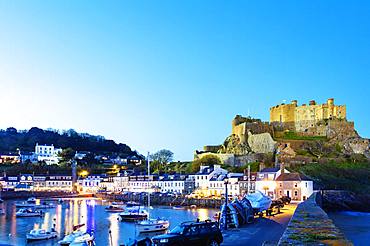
(300,118)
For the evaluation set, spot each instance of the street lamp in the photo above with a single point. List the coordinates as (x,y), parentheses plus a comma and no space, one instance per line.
(226,182)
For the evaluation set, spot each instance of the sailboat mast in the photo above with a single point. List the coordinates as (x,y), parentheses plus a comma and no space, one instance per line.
(249,179)
(148,181)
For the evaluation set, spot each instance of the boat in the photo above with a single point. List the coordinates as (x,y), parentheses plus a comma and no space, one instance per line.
(152,225)
(259,201)
(68,239)
(85,239)
(1,200)
(41,234)
(28,213)
(118,203)
(29,203)
(178,207)
(31,200)
(2,212)
(112,208)
(133,205)
(45,205)
(134,215)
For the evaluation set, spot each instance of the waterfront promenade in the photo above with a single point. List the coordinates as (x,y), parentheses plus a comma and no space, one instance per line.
(263,231)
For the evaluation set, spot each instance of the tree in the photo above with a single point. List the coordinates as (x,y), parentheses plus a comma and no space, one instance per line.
(67,155)
(208,160)
(163,156)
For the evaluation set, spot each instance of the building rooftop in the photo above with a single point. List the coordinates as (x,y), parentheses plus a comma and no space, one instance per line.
(292,177)
(270,170)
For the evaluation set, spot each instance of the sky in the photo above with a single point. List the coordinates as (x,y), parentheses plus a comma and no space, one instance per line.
(173,74)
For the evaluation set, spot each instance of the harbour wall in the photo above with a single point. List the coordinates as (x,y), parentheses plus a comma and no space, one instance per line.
(164,201)
(310,225)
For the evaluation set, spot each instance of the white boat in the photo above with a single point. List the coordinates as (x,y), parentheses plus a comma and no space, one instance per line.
(259,201)
(2,212)
(45,205)
(1,200)
(153,225)
(30,203)
(85,239)
(112,208)
(68,239)
(28,213)
(41,234)
(31,200)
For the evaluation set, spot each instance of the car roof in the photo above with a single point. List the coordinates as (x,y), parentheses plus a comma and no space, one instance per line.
(191,223)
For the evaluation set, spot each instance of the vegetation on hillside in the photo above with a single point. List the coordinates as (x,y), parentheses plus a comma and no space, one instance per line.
(352,176)
(11,139)
(291,135)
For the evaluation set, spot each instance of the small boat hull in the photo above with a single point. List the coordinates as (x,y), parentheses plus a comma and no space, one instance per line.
(153,226)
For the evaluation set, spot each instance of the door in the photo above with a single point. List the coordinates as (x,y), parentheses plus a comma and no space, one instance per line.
(287,193)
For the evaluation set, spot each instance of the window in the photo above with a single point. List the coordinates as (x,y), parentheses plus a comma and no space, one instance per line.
(295,193)
(306,184)
(295,185)
(281,184)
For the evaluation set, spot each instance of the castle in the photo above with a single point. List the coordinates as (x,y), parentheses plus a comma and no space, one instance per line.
(305,118)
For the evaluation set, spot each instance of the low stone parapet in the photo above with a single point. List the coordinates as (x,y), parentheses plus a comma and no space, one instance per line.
(310,225)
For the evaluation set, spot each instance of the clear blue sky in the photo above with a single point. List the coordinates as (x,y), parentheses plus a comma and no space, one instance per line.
(172,74)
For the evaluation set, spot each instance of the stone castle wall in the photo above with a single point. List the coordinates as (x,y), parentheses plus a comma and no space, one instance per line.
(304,118)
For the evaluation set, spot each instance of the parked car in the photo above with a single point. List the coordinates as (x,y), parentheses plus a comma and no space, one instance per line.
(191,233)
(285,199)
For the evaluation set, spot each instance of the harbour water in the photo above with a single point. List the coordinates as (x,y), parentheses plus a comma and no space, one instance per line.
(90,212)
(355,225)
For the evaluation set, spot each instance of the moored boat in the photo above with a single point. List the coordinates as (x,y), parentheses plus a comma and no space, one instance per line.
(153,225)
(68,239)
(116,209)
(41,234)
(86,239)
(45,205)
(28,213)
(178,207)
(29,203)
(134,215)
(2,212)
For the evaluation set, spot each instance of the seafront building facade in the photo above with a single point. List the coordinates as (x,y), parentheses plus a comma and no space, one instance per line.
(209,182)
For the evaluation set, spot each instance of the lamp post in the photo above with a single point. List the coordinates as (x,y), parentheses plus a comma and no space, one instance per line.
(226,182)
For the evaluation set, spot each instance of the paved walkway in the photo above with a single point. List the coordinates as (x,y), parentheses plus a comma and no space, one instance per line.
(267,230)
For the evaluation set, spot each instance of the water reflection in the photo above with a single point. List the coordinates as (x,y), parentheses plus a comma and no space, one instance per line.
(90,212)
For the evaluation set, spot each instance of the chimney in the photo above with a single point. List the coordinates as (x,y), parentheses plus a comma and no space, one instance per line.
(282,167)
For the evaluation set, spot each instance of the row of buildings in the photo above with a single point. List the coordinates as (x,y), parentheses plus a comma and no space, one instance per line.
(50,155)
(209,182)
(43,153)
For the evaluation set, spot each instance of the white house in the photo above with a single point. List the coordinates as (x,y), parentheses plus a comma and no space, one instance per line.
(205,174)
(265,181)
(217,186)
(172,183)
(47,153)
